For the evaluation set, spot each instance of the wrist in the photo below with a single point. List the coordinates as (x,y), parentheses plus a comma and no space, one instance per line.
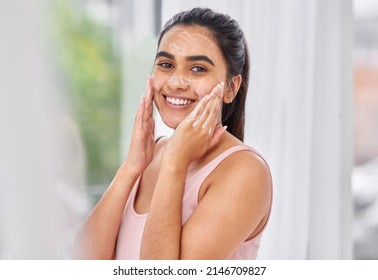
(174,165)
(129,171)
(172,158)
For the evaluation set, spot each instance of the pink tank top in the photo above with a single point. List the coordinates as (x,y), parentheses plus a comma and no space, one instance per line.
(132,224)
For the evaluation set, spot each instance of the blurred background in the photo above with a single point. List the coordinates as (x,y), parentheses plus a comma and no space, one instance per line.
(365,170)
(72,73)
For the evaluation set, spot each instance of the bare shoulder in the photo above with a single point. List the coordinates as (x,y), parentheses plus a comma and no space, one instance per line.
(234,204)
(245,176)
(246,165)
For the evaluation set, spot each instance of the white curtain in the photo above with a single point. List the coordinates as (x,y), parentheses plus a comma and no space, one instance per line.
(41,161)
(299,116)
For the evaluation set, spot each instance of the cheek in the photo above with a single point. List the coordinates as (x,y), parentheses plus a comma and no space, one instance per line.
(159,80)
(203,87)
(200,86)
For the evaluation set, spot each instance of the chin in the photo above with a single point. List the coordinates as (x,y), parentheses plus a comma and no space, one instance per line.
(171,122)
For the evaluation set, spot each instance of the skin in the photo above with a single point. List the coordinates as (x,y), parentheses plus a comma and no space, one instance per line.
(181,78)
(234,200)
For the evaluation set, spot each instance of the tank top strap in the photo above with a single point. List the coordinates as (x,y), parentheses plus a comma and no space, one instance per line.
(195,180)
(215,162)
(209,167)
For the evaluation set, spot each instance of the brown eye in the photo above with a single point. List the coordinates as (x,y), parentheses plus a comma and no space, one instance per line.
(165,65)
(198,69)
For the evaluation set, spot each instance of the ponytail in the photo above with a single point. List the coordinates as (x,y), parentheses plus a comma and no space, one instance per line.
(233,114)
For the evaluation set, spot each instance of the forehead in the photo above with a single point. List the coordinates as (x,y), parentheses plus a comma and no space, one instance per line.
(189,40)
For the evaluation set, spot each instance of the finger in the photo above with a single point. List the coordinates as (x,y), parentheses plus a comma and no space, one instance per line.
(209,115)
(155,96)
(139,114)
(215,118)
(198,114)
(146,118)
(210,112)
(220,104)
(193,116)
(148,92)
(149,97)
(148,108)
(150,89)
(202,103)
(222,91)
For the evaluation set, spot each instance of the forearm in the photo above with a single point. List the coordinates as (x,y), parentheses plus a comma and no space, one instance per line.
(162,233)
(97,236)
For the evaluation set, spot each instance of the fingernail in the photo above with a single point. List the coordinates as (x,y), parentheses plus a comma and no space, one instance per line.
(220,87)
(216,90)
(225,127)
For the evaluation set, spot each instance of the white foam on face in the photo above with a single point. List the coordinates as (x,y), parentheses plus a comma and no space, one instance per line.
(184,45)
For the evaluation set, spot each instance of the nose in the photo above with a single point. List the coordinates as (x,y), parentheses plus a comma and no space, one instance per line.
(176,82)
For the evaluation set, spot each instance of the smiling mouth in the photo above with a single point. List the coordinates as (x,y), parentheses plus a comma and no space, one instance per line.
(178,101)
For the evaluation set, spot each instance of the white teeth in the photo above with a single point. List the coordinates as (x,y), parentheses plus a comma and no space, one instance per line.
(177,101)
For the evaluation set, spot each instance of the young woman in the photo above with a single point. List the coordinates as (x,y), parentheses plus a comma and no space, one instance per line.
(202,193)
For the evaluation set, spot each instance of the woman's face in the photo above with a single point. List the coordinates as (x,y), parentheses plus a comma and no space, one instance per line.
(188,65)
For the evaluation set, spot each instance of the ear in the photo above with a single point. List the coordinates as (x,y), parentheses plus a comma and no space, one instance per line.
(232,89)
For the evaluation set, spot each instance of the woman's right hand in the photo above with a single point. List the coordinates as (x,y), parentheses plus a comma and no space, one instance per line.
(143,138)
(98,236)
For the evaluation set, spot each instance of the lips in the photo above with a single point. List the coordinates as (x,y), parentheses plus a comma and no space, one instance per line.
(178,101)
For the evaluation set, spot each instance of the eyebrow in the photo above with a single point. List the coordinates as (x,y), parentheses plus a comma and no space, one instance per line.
(188,58)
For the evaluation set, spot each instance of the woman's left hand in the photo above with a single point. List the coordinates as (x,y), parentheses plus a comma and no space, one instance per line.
(198,132)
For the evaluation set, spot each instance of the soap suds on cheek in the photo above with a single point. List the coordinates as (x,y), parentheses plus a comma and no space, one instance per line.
(182,44)
(199,88)
(157,86)
(202,88)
